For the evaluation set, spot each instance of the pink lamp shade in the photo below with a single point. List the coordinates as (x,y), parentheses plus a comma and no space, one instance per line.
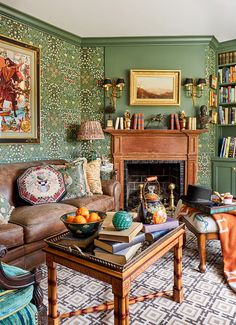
(90,130)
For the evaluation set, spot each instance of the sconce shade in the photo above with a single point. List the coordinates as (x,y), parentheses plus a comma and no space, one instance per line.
(107,82)
(201,82)
(188,82)
(120,82)
(90,130)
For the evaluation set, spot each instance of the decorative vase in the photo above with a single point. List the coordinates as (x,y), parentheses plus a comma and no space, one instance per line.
(122,220)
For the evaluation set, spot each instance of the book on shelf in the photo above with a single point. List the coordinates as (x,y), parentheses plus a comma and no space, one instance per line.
(69,240)
(121,257)
(140,123)
(117,123)
(121,123)
(172,121)
(114,247)
(135,121)
(109,233)
(177,121)
(170,223)
(153,236)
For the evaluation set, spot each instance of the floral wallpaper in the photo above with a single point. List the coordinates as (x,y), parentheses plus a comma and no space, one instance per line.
(207,140)
(69,94)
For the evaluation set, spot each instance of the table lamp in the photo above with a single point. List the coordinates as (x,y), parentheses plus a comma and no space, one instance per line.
(91,130)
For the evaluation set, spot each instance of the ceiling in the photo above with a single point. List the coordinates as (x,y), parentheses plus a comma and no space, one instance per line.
(109,18)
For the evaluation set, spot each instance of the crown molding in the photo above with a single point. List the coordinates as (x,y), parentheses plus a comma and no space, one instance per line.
(148,40)
(39,24)
(227,46)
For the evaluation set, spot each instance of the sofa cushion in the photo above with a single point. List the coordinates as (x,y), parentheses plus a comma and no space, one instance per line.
(41,221)
(11,235)
(75,178)
(93,170)
(94,202)
(41,184)
(5,210)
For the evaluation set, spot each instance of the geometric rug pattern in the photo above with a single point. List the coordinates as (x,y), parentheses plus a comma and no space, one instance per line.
(207,298)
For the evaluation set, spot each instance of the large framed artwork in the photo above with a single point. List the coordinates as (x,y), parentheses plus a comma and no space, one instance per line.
(155,87)
(19,92)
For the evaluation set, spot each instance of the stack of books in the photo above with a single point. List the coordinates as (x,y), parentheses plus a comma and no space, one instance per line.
(119,246)
(155,231)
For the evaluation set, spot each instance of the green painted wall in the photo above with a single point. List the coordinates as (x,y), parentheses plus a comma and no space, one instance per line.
(190,59)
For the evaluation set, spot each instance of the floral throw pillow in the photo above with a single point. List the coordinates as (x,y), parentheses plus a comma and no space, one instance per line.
(93,176)
(75,178)
(5,210)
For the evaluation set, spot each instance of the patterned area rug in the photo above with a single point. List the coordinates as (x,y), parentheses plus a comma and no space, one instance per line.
(207,298)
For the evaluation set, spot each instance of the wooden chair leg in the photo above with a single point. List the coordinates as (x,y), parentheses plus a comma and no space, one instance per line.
(201,238)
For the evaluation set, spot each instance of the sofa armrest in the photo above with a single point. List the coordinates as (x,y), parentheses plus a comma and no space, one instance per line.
(112,188)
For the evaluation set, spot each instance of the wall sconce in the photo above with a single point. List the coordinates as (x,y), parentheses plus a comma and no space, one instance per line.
(194,87)
(113,89)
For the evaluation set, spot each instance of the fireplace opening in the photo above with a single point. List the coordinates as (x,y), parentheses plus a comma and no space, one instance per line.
(167,171)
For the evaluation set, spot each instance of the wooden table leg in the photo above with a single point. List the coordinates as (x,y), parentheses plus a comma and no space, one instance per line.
(178,288)
(53,315)
(120,290)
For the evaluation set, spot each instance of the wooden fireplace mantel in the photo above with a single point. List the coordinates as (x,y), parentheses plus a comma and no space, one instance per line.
(155,145)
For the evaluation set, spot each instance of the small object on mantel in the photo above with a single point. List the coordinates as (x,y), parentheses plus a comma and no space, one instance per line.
(157,122)
(204,118)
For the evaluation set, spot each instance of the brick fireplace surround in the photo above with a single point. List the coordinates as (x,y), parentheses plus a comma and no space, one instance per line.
(156,145)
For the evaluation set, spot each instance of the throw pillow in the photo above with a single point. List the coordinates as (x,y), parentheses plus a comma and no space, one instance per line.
(5,210)
(93,176)
(41,184)
(75,178)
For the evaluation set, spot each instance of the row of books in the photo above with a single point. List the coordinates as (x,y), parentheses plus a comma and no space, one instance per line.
(189,124)
(227,74)
(227,57)
(136,123)
(226,115)
(228,147)
(120,246)
(227,94)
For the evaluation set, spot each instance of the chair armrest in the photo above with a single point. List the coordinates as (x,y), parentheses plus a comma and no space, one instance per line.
(112,188)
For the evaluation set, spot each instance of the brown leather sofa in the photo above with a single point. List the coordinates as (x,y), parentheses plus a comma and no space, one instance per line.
(29,225)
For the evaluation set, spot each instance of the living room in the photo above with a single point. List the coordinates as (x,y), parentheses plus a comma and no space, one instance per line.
(74,61)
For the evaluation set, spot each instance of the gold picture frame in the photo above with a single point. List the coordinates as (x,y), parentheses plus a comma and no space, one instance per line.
(155,87)
(19,92)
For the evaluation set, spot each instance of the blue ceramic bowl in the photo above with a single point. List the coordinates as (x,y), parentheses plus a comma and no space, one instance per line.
(82,230)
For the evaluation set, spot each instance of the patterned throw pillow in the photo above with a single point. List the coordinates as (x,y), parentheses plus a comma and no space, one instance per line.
(75,178)
(5,210)
(93,176)
(41,184)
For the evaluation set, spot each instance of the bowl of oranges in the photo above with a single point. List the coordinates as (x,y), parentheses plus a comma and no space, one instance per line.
(83,222)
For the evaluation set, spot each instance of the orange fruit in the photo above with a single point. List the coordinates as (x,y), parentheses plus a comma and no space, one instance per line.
(93,217)
(70,218)
(80,219)
(83,211)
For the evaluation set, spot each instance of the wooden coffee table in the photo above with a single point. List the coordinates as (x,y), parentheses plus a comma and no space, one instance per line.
(120,277)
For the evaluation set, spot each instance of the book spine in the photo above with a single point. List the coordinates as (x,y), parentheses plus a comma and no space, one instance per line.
(120,246)
(151,237)
(121,123)
(117,123)
(194,123)
(231,147)
(141,121)
(135,125)
(177,121)
(161,226)
(172,121)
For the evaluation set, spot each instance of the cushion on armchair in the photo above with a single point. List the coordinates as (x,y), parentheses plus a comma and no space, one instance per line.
(93,171)
(15,306)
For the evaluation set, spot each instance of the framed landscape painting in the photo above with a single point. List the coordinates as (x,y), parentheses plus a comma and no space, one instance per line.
(19,92)
(155,87)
